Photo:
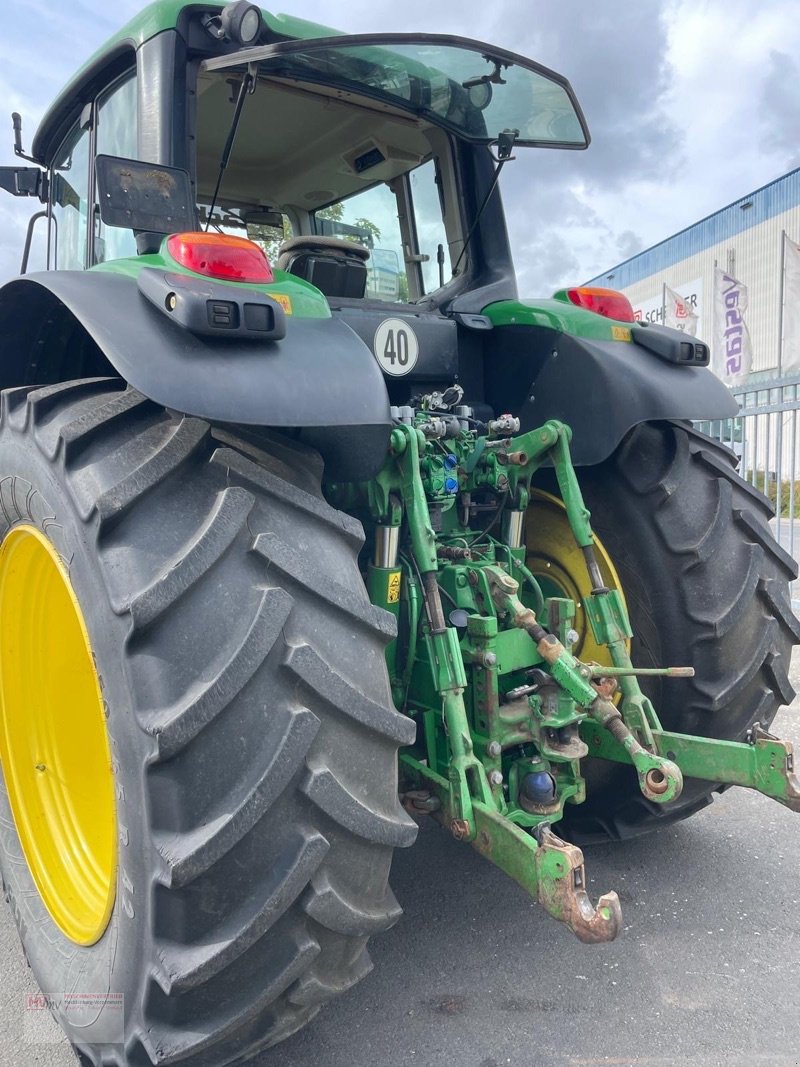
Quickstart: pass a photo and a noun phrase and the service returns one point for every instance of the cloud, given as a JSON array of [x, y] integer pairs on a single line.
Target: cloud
[[549, 260], [559, 203], [780, 103], [628, 244], [620, 71]]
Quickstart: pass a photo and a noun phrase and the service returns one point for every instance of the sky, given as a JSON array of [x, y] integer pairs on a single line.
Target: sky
[[690, 103]]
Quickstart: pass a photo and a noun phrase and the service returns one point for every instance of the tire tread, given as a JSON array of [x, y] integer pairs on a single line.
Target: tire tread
[[277, 822], [709, 583]]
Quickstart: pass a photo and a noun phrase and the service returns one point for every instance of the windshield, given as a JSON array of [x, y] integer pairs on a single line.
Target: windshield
[[472, 89]]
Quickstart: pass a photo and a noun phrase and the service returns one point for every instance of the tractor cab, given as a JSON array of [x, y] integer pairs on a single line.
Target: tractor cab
[[356, 152], [353, 139]]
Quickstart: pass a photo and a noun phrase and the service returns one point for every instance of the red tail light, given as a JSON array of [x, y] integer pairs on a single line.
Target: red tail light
[[233, 259], [606, 302]]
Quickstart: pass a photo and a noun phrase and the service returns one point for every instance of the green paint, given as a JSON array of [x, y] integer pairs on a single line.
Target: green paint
[[558, 316], [766, 765], [577, 512], [447, 676]]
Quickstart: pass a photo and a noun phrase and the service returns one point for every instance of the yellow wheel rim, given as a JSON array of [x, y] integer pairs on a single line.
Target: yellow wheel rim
[[53, 741], [558, 564]]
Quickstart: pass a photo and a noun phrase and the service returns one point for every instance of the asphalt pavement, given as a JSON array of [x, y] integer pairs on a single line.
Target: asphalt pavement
[[706, 972]]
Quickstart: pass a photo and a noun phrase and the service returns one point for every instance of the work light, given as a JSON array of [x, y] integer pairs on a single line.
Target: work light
[[241, 22]]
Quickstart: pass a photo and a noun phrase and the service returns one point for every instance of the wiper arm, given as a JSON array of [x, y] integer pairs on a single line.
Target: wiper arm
[[248, 86], [505, 146]]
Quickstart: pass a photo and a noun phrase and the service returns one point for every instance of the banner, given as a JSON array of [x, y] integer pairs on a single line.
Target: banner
[[679, 313], [790, 349], [731, 349], [690, 293]]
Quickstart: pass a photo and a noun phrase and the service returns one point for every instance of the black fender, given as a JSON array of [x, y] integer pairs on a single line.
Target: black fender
[[320, 379], [601, 389]]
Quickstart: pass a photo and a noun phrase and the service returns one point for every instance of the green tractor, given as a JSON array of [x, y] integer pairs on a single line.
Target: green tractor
[[311, 526]]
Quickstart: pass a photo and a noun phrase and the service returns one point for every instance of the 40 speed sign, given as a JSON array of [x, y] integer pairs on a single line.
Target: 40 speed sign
[[396, 347]]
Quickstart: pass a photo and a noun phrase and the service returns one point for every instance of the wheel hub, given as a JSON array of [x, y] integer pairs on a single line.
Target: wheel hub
[[558, 565], [53, 740]]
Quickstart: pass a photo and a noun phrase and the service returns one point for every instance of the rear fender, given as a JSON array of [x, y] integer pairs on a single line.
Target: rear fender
[[320, 379], [601, 389]]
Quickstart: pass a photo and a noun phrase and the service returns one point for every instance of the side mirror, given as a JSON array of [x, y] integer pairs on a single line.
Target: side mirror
[[24, 181]]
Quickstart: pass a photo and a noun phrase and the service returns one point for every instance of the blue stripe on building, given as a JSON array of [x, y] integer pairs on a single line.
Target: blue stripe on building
[[770, 200]]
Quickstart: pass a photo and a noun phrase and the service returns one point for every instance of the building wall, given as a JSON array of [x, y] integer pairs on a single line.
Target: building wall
[[744, 239]]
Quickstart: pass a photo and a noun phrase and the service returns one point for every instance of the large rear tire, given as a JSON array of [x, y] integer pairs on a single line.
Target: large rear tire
[[706, 586], [252, 736]]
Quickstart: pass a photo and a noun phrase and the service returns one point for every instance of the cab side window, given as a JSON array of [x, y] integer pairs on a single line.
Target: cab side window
[[429, 223], [116, 135], [70, 198], [370, 218]]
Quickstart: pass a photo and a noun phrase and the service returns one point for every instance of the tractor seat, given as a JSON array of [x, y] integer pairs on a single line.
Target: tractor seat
[[335, 267]]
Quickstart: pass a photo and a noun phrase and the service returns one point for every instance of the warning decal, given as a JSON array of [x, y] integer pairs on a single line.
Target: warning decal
[[393, 591]]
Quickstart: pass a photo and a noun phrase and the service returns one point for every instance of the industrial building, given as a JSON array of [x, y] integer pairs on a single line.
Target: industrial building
[[733, 274]]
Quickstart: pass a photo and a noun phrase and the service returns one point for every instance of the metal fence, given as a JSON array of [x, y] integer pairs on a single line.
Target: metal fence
[[765, 435]]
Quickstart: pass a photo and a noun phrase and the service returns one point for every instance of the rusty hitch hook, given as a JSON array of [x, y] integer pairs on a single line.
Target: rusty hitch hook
[[791, 797], [562, 892]]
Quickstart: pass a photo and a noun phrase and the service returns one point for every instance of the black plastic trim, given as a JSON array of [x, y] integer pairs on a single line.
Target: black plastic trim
[[674, 346], [209, 309]]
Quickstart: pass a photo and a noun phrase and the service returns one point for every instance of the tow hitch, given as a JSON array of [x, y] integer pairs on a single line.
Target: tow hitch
[[497, 763]]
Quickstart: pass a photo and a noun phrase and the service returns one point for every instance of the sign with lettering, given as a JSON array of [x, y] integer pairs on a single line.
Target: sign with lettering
[[731, 348]]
